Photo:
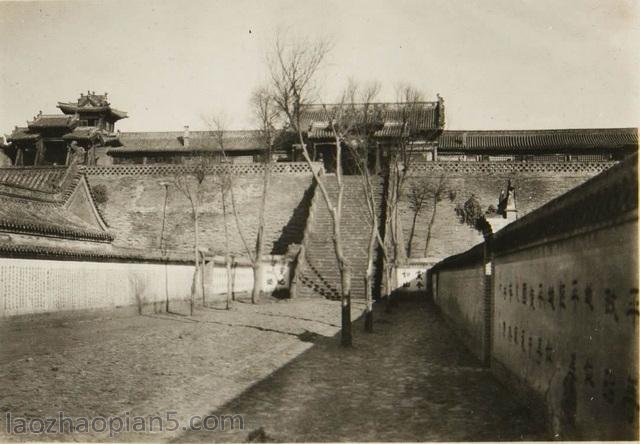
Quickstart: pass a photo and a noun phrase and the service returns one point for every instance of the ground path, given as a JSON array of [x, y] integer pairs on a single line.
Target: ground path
[[278, 364]]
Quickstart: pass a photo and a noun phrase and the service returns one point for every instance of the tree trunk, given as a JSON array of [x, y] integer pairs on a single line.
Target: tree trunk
[[196, 271], [388, 288], [257, 282], [412, 232], [368, 316], [227, 260], [257, 266], [202, 270], [345, 283], [433, 218]]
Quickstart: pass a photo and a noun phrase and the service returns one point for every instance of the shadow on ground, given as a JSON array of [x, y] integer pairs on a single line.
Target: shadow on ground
[[410, 380]]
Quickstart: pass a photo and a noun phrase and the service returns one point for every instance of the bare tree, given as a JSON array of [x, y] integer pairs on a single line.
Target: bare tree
[[409, 101], [190, 185], [265, 113], [419, 193], [417, 197], [217, 123], [357, 131], [293, 66]]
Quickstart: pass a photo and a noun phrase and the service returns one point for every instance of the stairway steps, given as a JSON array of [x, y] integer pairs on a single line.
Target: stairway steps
[[318, 273]]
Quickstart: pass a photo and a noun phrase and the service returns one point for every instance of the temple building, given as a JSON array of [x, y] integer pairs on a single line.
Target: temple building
[[85, 134], [554, 145], [85, 126], [183, 147], [381, 127]]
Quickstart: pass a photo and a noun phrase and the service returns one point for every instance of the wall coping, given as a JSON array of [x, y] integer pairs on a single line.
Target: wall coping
[[286, 168], [466, 168]]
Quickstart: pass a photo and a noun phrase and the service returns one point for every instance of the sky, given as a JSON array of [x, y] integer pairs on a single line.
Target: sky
[[499, 64]]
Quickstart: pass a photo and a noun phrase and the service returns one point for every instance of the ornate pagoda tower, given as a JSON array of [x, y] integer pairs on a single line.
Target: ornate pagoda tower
[[85, 126]]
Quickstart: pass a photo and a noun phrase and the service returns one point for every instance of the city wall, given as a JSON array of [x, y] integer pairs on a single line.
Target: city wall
[[562, 306]]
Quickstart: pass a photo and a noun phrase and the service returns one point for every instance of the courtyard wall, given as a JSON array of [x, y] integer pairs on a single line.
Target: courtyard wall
[[36, 286], [562, 311]]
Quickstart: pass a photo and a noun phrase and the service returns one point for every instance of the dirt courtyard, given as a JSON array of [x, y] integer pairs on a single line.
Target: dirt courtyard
[[278, 364]]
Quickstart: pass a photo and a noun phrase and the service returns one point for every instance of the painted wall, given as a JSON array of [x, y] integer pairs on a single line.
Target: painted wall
[[412, 277], [566, 324], [562, 311], [276, 272], [31, 286], [461, 298]]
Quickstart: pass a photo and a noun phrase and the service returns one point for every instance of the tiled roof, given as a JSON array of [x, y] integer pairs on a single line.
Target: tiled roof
[[44, 179], [21, 215], [507, 140], [392, 129], [83, 133], [23, 133], [53, 121], [91, 103], [172, 141], [418, 117], [19, 245], [36, 201]]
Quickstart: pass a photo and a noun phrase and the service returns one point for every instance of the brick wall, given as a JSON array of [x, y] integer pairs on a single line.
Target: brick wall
[[134, 212], [535, 184]]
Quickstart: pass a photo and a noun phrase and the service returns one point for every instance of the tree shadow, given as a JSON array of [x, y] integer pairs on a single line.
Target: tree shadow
[[293, 231]]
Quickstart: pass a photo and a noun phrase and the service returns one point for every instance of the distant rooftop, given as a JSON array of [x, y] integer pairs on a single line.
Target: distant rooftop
[[391, 117], [174, 141], [547, 139]]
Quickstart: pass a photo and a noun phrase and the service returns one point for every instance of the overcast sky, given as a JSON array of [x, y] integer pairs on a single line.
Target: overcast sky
[[503, 64]]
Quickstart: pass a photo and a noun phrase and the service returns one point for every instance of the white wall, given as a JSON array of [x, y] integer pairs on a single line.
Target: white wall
[[30, 286]]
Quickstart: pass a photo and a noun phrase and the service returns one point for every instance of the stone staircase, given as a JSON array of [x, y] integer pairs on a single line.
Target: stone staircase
[[317, 273]]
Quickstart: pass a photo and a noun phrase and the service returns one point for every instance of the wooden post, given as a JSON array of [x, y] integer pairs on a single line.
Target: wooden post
[[39, 152], [19, 157]]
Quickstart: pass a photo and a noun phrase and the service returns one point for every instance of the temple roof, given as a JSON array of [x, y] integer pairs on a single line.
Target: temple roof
[[549, 139], [42, 121], [92, 102], [173, 141], [49, 202], [23, 133], [415, 117], [83, 133], [21, 215], [33, 180]]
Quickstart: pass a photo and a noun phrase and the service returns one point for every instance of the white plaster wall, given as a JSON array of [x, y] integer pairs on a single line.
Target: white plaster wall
[[30, 286], [276, 272], [411, 278]]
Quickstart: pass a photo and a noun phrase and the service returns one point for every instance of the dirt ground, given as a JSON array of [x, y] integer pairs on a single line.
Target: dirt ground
[[278, 364]]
